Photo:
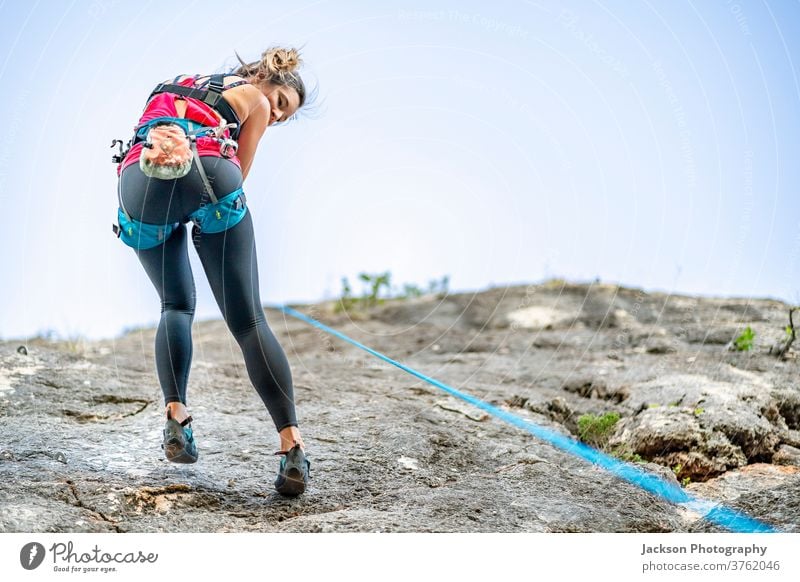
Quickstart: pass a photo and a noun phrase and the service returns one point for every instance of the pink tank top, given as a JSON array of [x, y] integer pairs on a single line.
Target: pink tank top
[[163, 105]]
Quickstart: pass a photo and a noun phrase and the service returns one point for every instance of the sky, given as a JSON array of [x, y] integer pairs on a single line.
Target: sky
[[650, 144]]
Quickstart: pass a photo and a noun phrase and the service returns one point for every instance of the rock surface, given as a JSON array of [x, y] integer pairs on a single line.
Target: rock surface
[[80, 422]]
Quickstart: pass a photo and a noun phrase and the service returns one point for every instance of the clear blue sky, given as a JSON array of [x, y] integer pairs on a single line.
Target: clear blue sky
[[653, 144]]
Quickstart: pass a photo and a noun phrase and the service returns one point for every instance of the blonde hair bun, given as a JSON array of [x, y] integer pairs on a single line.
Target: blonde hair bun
[[277, 65], [280, 61]]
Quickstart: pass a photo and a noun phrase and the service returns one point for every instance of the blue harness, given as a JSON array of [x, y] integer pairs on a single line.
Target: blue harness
[[187, 125], [223, 214], [220, 215]]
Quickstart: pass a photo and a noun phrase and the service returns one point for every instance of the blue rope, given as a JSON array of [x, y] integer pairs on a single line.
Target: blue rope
[[723, 516]]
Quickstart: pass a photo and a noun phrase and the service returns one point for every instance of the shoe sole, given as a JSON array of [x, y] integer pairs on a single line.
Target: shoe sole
[[175, 446], [175, 453], [294, 484]]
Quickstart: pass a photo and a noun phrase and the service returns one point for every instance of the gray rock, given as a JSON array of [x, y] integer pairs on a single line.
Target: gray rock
[[711, 336], [715, 424], [660, 346], [99, 466], [656, 433], [675, 437], [766, 492], [787, 455]]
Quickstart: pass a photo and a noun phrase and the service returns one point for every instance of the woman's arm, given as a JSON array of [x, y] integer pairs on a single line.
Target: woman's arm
[[255, 109]]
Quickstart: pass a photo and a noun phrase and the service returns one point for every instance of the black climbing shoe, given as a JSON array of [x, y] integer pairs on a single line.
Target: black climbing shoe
[[294, 473], [178, 444]]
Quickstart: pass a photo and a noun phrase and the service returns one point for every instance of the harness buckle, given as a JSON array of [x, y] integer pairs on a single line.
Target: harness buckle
[[228, 148], [120, 155]]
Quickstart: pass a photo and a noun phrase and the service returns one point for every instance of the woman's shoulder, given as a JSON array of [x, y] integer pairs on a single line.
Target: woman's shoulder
[[237, 91], [243, 96]]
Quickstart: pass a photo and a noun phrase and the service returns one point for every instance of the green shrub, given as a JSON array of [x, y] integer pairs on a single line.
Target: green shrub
[[346, 301], [410, 290], [595, 430], [624, 453], [377, 287], [439, 287], [745, 341], [374, 283]]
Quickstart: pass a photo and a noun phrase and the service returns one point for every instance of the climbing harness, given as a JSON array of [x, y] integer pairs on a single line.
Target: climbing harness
[[211, 97], [222, 214], [172, 141], [168, 143], [169, 149], [716, 513], [169, 146]]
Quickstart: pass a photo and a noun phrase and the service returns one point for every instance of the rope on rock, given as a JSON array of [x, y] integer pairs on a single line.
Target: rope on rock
[[716, 513]]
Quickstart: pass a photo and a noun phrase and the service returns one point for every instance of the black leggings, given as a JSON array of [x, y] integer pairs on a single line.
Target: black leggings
[[229, 261]]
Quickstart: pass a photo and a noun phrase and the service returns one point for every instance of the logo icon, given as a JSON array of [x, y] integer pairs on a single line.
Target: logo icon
[[31, 555]]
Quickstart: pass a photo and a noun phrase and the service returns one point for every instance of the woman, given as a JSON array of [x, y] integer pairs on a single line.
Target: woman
[[152, 214]]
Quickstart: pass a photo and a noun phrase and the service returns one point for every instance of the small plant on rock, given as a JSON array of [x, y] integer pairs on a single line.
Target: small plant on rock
[[346, 301], [377, 288], [375, 282], [370, 295], [439, 287], [410, 290], [595, 430], [744, 342], [782, 347], [624, 453]]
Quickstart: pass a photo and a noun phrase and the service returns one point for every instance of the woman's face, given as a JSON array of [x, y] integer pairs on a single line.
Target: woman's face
[[283, 101]]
